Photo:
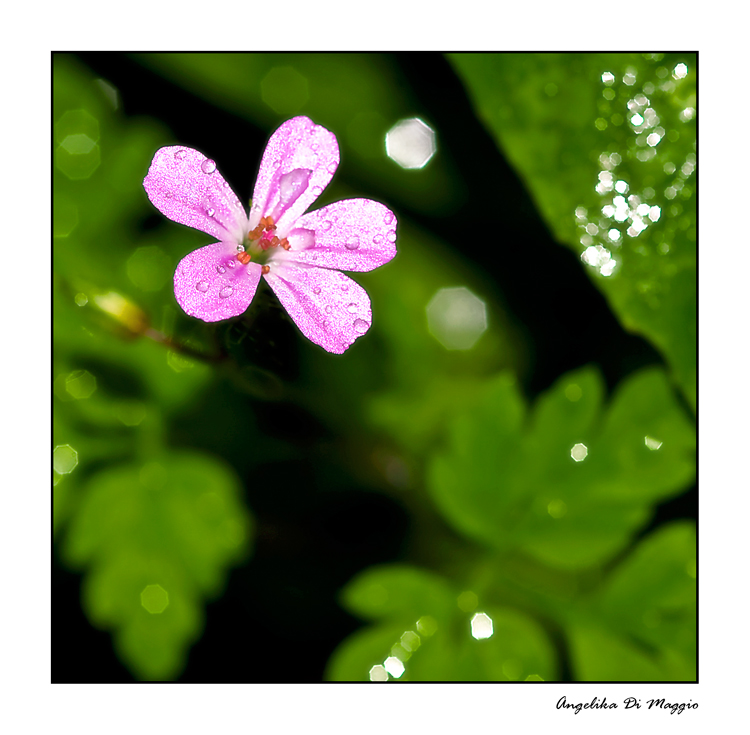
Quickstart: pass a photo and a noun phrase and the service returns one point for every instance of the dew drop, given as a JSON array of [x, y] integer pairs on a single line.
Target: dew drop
[[325, 324], [202, 286], [210, 211], [227, 291], [352, 243], [377, 239], [231, 264], [389, 217], [351, 308], [329, 308], [326, 225], [220, 269], [361, 326], [344, 287], [317, 191], [332, 167], [208, 166], [316, 290], [391, 236], [179, 155]]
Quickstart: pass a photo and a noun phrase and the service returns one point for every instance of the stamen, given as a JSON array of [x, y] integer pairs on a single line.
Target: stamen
[[284, 243], [265, 269], [244, 257]]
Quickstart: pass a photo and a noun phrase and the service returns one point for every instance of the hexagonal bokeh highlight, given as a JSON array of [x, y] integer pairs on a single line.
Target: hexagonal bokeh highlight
[[579, 452], [284, 90], [481, 626], [378, 673], [154, 598], [77, 166], [77, 122], [394, 667], [80, 384], [411, 143], [77, 136], [456, 318], [64, 459]]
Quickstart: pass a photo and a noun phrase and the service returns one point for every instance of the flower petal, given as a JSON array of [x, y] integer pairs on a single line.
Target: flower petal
[[350, 235], [185, 186], [299, 161], [329, 308], [211, 284]]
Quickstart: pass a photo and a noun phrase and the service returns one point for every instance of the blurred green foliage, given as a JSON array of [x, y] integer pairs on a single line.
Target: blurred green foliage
[[512, 482], [504, 520]]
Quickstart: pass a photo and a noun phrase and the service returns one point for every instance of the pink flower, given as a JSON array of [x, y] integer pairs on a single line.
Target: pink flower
[[300, 255]]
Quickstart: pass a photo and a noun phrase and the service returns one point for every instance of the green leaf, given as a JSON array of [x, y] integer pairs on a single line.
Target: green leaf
[[423, 625], [569, 130], [641, 625], [513, 483], [160, 533], [399, 591]]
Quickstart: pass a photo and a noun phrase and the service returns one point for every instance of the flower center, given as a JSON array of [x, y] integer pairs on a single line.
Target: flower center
[[260, 241]]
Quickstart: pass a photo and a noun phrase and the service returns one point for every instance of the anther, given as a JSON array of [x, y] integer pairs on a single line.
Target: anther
[[284, 243], [244, 257], [265, 269]]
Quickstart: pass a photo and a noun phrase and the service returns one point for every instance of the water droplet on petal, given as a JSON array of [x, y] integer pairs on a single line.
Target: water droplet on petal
[[317, 191], [328, 309], [202, 286], [344, 287], [352, 243], [227, 291], [220, 269], [316, 290], [327, 224], [391, 236], [210, 211], [208, 166], [361, 326], [325, 324], [179, 155], [332, 167], [377, 239], [351, 308], [231, 264], [389, 218]]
